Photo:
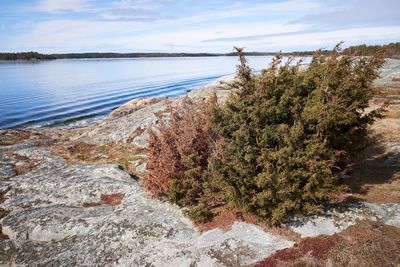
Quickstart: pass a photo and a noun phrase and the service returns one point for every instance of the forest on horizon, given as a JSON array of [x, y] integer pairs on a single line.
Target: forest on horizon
[[392, 50]]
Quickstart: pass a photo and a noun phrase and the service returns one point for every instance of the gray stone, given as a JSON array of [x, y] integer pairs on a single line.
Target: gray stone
[[6, 171], [59, 215], [130, 123], [340, 216], [58, 218]]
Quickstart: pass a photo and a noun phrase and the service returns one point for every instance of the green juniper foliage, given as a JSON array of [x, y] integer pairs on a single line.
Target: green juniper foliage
[[289, 130], [275, 148], [200, 213]]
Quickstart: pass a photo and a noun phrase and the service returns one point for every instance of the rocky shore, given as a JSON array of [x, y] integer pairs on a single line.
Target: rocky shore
[[73, 196]]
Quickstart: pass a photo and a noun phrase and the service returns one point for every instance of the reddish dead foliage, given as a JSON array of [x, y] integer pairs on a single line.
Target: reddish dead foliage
[[222, 220], [318, 247], [185, 135], [106, 199], [112, 199], [366, 244]]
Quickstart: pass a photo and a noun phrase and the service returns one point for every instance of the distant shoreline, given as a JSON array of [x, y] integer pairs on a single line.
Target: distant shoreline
[[391, 50], [34, 56]]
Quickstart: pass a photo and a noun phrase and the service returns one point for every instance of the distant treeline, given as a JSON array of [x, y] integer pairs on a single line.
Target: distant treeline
[[392, 50], [25, 56], [38, 56], [296, 53], [129, 55]]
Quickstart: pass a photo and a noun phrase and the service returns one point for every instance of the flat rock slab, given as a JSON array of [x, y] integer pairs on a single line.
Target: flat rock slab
[[338, 217], [129, 124], [63, 215], [6, 171], [98, 215]]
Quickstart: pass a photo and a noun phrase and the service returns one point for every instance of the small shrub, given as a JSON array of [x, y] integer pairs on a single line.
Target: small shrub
[[275, 147], [286, 133], [179, 151]]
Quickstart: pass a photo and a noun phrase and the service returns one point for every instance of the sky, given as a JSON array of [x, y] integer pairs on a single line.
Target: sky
[[61, 26]]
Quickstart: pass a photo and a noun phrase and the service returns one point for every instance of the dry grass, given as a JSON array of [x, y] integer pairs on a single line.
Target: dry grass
[[380, 91], [12, 137], [78, 152], [22, 164], [370, 178], [366, 244], [25, 164], [163, 113]]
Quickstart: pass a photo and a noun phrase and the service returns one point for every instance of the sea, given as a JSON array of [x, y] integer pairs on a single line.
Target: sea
[[77, 91]]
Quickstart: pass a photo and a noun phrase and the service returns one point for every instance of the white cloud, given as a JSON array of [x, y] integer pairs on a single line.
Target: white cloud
[[142, 25], [61, 6], [326, 39], [354, 13], [248, 10], [142, 4], [129, 36]]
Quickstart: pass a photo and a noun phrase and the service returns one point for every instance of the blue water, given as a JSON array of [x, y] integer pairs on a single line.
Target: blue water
[[52, 92]]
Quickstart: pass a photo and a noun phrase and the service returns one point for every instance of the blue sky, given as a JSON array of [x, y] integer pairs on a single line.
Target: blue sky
[[57, 26]]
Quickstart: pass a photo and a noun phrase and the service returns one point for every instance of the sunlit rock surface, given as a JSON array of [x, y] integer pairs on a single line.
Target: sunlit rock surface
[[338, 217], [56, 214], [60, 216], [130, 123]]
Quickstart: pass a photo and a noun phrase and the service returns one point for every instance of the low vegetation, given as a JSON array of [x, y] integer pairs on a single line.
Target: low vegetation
[[78, 152], [366, 244], [275, 148], [11, 137], [25, 56], [39, 56], [371, 176], [178, 154]]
